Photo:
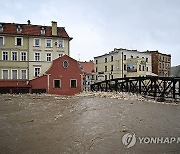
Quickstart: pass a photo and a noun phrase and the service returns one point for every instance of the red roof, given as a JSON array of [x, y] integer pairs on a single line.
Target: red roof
[[88, 67], [32, 30]]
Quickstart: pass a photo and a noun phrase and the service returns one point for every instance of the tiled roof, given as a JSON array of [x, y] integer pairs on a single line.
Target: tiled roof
[[88, 67], [32, 30]]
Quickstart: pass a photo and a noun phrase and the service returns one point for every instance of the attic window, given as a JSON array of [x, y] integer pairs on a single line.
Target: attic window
[[43, 31], [65, 64], [19, 29], [1, 28]]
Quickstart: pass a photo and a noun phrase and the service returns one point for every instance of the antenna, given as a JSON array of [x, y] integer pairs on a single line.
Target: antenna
[[79, 57]]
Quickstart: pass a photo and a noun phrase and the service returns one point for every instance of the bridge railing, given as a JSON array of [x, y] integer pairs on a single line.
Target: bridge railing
[[164, 87]]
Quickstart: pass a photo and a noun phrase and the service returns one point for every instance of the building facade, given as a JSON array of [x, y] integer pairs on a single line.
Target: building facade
[[88, 79], [64, 77], [161, 63], [26, 50], [122, 63]]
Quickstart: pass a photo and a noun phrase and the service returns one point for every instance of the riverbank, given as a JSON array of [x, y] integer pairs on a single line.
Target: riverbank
[[85, 123]]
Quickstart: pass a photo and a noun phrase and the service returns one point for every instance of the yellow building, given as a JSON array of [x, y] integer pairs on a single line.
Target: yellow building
[[13, 54], [27, 50], [120, 63]]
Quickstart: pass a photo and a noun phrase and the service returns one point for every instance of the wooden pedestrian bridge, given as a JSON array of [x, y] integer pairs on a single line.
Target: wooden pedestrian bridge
[[162, 87]]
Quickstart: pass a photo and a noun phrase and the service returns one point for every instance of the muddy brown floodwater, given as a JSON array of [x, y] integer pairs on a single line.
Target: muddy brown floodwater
[[92, 125]]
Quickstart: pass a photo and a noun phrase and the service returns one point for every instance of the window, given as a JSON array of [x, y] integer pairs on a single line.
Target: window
[[143, 68], [111, 58], [14, 56], [105, 68], [124, 57], [60, 43], [65, 64], [37, 56], [73, 83], [131, 56], [5, 74], [36, 42], [18, 41], [96, 61], [19, 29], [14, 74], [4, 55], [125, 67], [23, 56], [139, 67], [105, 60], [137, 56], [111, 67], [1, 40], [23, 74], [48, 56], [105, 77], [146, 59], [96, 69], [60, 54], [147, 69], [57, 83], [1, 28], [48, 43], [142, 57], [43, 31], [37, 71]]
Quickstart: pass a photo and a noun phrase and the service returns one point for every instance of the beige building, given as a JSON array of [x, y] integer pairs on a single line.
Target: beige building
[[27, 50], [122, 63]]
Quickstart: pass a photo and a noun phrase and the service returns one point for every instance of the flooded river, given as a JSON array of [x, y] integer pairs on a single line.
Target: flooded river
[[86, 124]]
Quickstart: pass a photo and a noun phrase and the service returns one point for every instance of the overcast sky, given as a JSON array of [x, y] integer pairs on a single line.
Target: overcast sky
[[99, 26]]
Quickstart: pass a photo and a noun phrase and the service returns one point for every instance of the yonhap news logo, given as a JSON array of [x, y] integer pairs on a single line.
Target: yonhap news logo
[[130, 139]]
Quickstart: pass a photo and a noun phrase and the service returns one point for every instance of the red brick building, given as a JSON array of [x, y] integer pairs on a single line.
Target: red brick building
[[64, 77], [161, 63]]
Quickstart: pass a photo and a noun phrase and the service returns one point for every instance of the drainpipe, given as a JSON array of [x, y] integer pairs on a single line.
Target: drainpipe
[[122, 64], [28, 59]]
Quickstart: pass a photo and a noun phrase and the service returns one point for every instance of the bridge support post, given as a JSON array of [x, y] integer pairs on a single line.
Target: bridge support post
[[106, 88], [116, 82], [174, 89], [140, 86]]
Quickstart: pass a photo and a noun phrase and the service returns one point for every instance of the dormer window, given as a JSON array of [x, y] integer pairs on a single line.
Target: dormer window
[[1, 28], [19, 29], [43, 32], [60, 43]]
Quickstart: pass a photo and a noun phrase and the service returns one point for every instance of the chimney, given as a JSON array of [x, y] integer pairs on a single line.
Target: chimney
[[29, 22], [54, 28]]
